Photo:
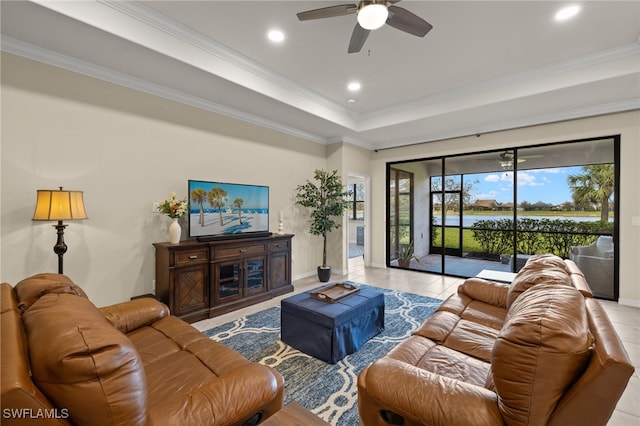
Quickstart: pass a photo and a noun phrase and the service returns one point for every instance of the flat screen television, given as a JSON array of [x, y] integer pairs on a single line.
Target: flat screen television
[[219, 210]]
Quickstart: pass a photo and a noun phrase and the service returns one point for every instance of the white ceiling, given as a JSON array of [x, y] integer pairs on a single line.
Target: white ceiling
[[485, 66]]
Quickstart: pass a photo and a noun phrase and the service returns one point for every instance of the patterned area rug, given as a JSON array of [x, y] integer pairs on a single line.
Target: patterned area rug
[[330, 391]]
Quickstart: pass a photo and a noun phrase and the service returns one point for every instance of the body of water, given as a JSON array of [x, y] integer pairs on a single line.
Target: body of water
[[469, 220]]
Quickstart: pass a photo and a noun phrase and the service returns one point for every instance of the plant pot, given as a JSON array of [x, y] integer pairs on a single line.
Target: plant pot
[[404, 263], [324, 273]]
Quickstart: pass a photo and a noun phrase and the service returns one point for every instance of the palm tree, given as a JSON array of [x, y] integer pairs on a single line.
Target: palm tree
[[238, 203], [595, 185], [217, 198], [198, 195]]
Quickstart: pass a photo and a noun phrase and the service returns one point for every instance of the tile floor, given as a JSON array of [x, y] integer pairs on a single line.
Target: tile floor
[[625, 319]]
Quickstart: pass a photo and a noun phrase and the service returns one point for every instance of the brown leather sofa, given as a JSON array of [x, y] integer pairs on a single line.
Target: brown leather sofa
[[540, 351], [64, 361]]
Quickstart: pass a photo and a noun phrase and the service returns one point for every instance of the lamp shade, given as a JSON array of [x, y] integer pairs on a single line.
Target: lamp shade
[[373, 16], [59, 205]]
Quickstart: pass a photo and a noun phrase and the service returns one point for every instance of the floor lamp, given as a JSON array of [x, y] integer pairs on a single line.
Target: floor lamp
[[59, 205]]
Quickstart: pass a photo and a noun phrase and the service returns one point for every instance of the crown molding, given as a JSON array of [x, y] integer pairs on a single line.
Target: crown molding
[[570, 72], [39, 54], [350, 140], [143, 26], [149, 29], [180, 31], [69, 63], [556, 117]]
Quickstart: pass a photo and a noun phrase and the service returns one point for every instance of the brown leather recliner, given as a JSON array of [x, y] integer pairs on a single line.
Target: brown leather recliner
[[64, 361], [540, 351]]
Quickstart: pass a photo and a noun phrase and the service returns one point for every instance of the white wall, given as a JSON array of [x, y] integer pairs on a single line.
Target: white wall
[[625, 124], [355, 167], [125, 150]]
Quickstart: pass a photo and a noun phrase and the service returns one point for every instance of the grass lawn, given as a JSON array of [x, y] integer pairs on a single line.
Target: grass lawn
[[451, 238]]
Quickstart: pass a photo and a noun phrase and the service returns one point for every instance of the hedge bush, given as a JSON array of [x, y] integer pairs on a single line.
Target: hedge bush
[[537, 235]]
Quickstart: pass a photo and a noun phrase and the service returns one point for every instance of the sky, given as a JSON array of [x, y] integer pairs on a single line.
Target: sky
[[546, 185]]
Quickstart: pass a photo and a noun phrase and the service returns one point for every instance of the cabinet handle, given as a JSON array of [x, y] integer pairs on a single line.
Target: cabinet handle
[[193, 256], [243, 250]]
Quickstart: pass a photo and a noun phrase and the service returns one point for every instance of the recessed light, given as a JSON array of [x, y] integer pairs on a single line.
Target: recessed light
[[567, 12], [354, 86], [276, 36]]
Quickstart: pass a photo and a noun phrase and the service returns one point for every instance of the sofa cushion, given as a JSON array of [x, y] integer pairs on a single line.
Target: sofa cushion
[[489, 292], [136, 313], [468, 337], [542, 348], [450, 363], [31, 289], [81, 362], [544, 268], [18, 391]]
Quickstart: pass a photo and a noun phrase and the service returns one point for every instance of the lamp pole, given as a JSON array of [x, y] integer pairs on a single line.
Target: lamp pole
[[60, 248]]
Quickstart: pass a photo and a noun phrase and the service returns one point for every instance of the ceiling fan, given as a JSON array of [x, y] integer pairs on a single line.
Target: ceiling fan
[[371, 15], [507, 157]]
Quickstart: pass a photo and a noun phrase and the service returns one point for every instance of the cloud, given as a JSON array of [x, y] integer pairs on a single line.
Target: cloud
[[527, 179], [503, 177]]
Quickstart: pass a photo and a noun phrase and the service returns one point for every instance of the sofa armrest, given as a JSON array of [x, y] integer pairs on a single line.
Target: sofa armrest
[[489, 292], [427, 398], [128, 316], [229, 399]]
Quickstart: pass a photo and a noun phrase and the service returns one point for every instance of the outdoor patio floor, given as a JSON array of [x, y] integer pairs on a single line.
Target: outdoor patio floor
[[457, 266]]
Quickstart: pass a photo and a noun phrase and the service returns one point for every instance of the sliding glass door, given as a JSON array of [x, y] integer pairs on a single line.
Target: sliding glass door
[[493, 210], [400, 228]]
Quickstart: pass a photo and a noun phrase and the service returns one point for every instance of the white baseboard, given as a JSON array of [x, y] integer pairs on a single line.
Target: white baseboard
[[629, 302], [304, 275]]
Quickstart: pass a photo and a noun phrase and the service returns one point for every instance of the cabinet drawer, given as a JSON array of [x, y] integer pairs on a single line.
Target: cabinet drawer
[[190, 257], [280, 245], [239, 250]]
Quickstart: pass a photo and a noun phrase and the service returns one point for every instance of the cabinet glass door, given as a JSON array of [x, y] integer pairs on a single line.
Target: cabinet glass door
[[255, 275], [229, 280]]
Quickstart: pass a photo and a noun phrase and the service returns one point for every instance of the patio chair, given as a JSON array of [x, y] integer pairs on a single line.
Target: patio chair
[[596, 263]]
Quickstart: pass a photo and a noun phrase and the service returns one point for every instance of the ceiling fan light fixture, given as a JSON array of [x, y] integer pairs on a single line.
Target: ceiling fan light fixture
[[506, 160], [567, 13], [276, 36], [506, 164], [354, 86], [373, 16]]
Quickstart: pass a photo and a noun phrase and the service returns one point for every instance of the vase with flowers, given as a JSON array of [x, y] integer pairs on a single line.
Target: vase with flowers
[[175, 209]]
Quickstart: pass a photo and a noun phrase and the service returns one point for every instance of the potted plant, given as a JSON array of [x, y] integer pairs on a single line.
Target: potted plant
[[327, 201], [406, 255]]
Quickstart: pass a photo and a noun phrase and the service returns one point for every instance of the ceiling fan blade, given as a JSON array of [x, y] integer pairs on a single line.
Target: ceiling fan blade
[[358, 38], [328, 12], [408, 22]]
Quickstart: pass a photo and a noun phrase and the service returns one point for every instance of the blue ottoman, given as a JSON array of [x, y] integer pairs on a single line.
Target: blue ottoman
[[331, 331]]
